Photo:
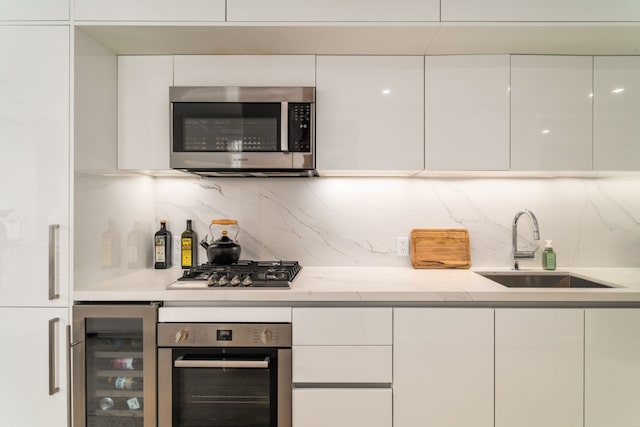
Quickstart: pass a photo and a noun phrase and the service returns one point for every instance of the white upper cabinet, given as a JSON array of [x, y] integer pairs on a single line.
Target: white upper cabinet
[[34, 10], [245, 70], [616, 105], [333, 10], [143, 111], [150, 10], [370, 114], [551, 112], [540, 10], [467, 112], [612, 367], [539, 360], [34, 167]]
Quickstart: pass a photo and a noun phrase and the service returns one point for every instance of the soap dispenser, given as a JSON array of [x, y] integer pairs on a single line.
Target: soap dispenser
[[548, 257]]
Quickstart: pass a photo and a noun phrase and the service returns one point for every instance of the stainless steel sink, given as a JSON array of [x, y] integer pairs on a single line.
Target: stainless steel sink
[[540, 280]]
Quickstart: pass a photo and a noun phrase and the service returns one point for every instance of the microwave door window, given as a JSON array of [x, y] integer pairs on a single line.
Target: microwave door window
[[227, 127]]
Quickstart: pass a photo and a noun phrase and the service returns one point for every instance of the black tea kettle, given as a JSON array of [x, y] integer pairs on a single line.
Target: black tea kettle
[[225, 250]]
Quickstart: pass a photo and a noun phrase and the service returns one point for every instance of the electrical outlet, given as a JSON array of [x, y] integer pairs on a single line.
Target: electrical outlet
[[402, 246]]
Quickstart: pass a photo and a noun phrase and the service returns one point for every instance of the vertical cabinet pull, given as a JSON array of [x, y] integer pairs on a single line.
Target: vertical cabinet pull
[[53, 261], [284, 127], [53, 387]]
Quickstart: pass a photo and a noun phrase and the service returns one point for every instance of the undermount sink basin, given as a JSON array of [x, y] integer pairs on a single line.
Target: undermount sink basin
[[541, 280]]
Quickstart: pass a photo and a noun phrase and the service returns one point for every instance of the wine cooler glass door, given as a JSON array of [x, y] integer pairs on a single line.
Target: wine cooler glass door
[[117, 372]]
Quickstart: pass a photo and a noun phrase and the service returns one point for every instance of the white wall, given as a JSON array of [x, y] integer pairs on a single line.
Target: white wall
[[355, 221]]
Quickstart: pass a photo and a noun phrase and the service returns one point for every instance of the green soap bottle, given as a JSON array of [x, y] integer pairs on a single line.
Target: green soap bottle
[[548, 257]]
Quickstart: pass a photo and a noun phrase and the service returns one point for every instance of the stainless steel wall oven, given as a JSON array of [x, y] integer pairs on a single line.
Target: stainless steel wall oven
[[224, 375]]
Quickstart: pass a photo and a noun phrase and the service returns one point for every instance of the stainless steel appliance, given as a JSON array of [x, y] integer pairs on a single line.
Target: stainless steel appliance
[[243, 131], [114, 365], [227, 375], [241, 275]]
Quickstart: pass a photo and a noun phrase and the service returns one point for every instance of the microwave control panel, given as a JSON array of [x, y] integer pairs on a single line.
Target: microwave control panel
[[300, 127]]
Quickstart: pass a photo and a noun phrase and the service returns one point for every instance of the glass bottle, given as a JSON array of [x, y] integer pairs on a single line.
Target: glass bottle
[[189, 255], [548, 257], [162, 241]]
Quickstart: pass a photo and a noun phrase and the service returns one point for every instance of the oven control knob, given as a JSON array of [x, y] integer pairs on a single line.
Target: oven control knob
[[182, 335], [266, 336]]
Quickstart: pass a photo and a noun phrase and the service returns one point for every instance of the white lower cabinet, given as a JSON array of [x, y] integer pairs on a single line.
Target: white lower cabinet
[[539, 361], [34, 367], [612, 367], [342, 407], [443, 367]]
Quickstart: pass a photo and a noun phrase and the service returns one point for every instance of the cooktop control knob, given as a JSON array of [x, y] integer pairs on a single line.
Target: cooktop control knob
[[266, 336], [182, 335]]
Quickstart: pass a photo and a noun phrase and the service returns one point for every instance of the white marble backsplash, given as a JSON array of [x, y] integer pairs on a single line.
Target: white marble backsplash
[[593, 222]]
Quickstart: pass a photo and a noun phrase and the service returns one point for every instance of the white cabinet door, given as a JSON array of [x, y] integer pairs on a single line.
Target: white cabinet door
[[539, 360], [333, 10], [540, 10], [143, 111], [342, 326], [150, 10], [342, 407], [467, 112], [443, 367], [370, 114], [551, 112], [33, 361], [34, 10], [616, 103], [612, 367], [34, 167], [245, 70], [342, 364]]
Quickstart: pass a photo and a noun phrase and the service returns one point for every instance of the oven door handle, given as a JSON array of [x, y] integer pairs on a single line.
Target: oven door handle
[[260, 364]]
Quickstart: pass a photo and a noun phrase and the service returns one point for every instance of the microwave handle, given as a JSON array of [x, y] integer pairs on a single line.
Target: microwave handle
[[284, 127]]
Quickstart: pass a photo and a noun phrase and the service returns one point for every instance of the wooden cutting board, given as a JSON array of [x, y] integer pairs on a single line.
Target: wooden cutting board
[[440, 248]]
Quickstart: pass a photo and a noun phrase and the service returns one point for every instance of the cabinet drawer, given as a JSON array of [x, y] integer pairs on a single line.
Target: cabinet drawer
[[342, 364], [342, 407], [342, 326]]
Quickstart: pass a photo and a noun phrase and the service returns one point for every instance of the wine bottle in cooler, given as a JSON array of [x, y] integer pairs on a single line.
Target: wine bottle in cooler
[[162, 242], [189, 247]]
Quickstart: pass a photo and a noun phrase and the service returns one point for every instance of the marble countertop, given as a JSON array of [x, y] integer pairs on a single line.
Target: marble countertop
[[371, 285]]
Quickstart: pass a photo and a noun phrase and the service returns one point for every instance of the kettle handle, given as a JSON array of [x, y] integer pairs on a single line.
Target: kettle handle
[[224, 221]]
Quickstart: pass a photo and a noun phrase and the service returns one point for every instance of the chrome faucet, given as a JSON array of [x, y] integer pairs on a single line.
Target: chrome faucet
[[514, 238]]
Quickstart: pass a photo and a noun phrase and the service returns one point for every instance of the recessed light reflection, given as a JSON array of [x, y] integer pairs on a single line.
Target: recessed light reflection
[[386, 91], [591, 95], [546, 131], [618, 90]]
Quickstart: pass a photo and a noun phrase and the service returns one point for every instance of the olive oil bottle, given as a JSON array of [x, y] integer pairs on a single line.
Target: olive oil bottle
[[188, 246], [162, 242]]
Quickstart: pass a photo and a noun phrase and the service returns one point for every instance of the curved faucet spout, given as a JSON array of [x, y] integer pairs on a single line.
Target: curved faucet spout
[[514, 237]]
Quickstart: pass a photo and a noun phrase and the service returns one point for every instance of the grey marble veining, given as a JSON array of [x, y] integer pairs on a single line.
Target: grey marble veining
[[355, 221]]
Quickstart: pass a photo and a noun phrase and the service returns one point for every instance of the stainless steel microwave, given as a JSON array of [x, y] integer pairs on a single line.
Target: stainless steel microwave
[[243, 131]]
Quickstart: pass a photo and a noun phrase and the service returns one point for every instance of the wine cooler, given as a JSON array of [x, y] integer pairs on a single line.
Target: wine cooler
[[114, 365]]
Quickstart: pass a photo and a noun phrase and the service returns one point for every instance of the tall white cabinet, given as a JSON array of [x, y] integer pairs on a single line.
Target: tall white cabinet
[[34, 222], [551, 112]]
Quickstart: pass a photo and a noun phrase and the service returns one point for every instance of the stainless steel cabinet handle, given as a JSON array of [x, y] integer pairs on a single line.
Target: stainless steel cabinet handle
[[179, 363], [53, 261], [284, 127], [53, 388]]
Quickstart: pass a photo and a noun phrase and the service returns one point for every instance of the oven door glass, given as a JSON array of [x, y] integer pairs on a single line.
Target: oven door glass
[[226, 127], [224, 387]]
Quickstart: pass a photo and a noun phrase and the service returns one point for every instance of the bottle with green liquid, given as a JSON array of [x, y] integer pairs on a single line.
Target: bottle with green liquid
[[549, 257]]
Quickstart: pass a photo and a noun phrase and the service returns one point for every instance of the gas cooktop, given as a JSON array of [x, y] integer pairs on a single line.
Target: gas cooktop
[[241, 275]]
